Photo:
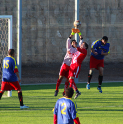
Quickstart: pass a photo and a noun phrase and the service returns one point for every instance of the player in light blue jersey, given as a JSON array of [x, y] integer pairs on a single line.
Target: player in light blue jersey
[[10, 77], [99, 49], [65, 111]]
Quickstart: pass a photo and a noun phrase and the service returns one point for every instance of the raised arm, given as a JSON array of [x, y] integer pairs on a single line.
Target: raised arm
[[68, 42]]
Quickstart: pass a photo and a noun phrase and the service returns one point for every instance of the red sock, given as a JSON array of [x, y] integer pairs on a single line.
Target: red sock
[[72, 84], [66, 85], [58, 84]]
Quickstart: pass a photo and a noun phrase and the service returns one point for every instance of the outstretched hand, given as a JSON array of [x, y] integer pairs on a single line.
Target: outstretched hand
[[75, 30]]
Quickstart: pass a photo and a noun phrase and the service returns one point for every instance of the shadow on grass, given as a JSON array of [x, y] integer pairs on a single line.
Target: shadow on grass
[[79, 85], [102, 109]]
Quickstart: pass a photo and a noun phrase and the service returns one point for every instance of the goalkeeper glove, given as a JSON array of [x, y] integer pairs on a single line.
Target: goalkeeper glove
[[72, 33], [80, 33]]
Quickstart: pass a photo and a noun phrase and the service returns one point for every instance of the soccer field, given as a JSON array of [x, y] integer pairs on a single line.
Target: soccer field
[[93, 107]]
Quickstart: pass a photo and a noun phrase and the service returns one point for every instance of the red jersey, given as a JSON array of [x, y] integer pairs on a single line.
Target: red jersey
[[79, 56]]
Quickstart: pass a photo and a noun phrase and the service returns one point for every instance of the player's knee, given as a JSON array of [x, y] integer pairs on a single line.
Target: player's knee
[[19, 91], [60, 77], [71, 78], [90, 72]]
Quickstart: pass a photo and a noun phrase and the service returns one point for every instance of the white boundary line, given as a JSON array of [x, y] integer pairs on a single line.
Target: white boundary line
[[77, 83]]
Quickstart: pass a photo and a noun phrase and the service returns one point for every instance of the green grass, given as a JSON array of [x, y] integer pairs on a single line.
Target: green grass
[[93, 107]]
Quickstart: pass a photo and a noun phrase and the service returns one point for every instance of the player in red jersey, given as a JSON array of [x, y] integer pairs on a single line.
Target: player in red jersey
[[64, 70], [76, 65], [9, 77]]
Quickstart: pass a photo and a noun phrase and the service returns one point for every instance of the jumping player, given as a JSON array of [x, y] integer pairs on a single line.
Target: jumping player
[[99, 49], [9, 77], [64, 70], [75, 66], [65, 111]]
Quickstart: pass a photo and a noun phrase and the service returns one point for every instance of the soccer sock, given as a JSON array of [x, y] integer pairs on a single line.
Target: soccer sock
[[20, 98], [100, 79], [58, 84], [72, 84], [89, 78], [66, 85], [1, 93]]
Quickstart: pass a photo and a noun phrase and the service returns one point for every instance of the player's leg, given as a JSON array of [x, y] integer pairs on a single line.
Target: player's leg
[[63, 73], [65, 86], [73, 85], [58, 84], [100, 79], [20, 96], [16, 86], [73, 73], [93, 66], [4, 87], [1, 93], [89, 77], [59, 79]]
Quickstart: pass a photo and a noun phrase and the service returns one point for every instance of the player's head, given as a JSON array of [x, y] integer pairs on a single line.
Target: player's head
[[73, 42], [69, 92], [11, 52], [104, 39], [84, 45]]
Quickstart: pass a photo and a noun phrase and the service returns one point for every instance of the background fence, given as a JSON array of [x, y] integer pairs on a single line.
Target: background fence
[[46, 26]]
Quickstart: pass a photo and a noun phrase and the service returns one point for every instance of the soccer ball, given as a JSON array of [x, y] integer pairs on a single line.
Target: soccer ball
[[77, 23]]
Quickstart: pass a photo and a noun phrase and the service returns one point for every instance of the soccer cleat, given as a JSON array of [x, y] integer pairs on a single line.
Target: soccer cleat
[[63, 93], [24, 107], [77, 94], [99, 88], [88, 86], [56, 93]]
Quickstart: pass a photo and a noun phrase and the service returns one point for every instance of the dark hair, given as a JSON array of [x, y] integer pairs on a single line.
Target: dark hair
[[105, 38], [69, 92], [73, 41], [11, 52], [86, 45]]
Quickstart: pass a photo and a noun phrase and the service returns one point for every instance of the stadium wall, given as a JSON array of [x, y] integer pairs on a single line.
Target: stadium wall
[[47, 24]]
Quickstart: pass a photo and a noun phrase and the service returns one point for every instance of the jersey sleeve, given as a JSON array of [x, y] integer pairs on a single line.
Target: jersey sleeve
[[108, 51], [55, 119], [84, 51], [95, 44], [56, 108], [74, 113], [68, 44], [15, 66], [80, 42], [76, 120]]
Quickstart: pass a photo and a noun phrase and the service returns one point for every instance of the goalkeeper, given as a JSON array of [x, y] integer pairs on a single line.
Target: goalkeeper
[[64, 70]]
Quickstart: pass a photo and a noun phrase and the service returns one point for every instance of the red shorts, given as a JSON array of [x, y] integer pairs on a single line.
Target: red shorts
[[64, 70], [95, 63], [10, 86], [74, 70]]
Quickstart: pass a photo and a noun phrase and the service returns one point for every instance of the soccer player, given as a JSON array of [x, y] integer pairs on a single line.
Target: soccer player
[[64, 70], [99, 49], [9, 77], [75, 66], [65, 111]]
